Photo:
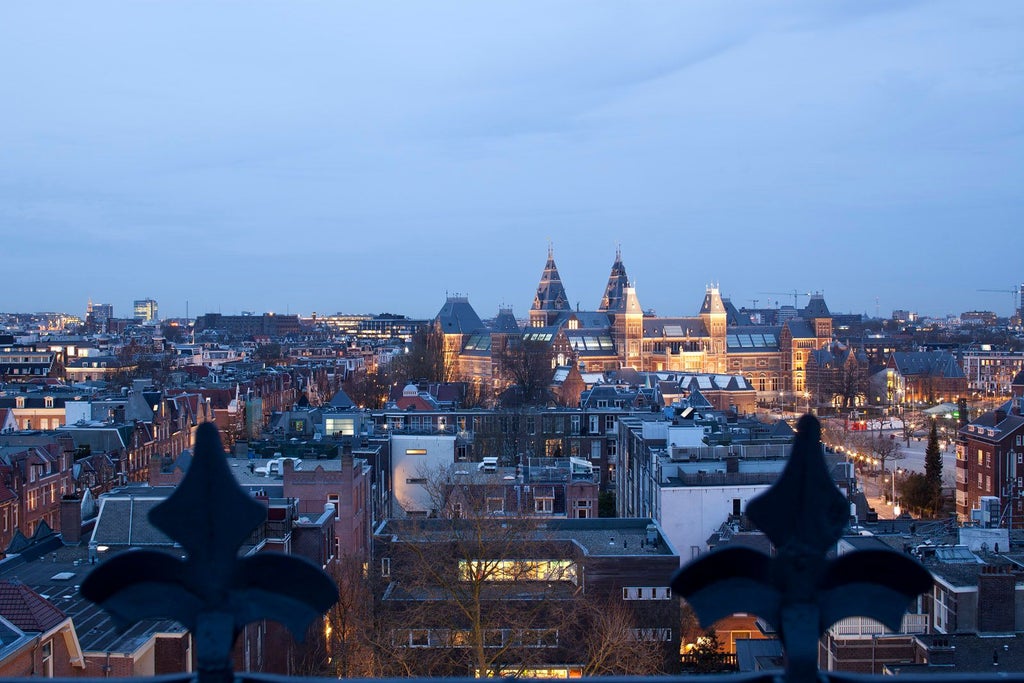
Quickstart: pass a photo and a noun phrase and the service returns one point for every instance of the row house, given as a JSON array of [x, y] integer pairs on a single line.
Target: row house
[[990, 460], [20, 363], [37, 409], [33, 479], [128, 442]]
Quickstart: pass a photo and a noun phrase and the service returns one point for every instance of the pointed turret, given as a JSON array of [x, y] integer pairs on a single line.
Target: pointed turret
[[614, 300], [550, 298], [712, 302]]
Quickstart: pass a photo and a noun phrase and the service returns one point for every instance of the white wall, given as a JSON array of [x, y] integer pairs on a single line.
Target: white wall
[[440, 455], [690, 514]]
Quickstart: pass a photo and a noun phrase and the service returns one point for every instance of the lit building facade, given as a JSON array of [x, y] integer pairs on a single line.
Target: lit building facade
[[619, 334]]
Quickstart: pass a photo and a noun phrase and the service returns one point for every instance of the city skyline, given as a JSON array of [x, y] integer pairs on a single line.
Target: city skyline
[[317, 157]]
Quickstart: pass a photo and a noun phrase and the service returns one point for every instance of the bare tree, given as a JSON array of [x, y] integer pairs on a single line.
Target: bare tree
[[883, 448], [847, 381], [341, 646], [912, 422], [368, 389], [612, 645], [526, 364], [483, 590], [426, 358]]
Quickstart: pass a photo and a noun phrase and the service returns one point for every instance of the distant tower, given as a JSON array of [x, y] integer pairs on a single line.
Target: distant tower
[[550, 300], [713, 313], [145, 310], [613, 300], [623, 308]]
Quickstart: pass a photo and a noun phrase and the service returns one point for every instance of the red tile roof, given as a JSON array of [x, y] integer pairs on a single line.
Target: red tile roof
[[27, 609]]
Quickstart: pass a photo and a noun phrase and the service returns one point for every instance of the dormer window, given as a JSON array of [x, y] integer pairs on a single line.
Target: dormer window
[[48, 401]]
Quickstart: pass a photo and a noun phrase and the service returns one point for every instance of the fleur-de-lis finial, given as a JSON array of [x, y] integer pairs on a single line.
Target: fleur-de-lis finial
[[212, 592], [800, 591]]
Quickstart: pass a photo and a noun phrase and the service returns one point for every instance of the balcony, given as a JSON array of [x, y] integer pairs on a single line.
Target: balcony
[[861, 627]]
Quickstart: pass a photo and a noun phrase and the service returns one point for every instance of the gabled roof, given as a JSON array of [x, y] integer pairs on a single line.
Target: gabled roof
[[458, 317], [698, 401], [931, 363], [26, 609], [341, 401]]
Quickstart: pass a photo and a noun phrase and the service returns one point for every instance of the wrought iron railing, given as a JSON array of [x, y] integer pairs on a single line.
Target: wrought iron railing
[[799, 590]]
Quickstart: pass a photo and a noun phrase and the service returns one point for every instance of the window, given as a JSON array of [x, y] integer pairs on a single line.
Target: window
[[609, 423], [595, 450], [517, 570], [334, 500], [574, 425], [651, 634], [495, 505], [981, 457], [544, 505], [583, 508], [1020, 439], [595, 424], [416, 480], [647, 593], [48, 659], [531, 425]]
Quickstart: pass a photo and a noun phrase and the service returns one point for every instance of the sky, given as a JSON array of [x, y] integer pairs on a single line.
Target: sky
[[301, 156]]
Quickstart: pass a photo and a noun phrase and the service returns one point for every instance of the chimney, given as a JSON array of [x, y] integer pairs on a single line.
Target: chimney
[[995, 600], [1000, 415], [71, 519]]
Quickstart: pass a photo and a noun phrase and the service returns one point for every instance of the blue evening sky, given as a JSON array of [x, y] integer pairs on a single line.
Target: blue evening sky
[[371, 156]]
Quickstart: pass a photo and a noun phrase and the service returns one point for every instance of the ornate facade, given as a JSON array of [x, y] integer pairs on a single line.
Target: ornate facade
[[619, 334]]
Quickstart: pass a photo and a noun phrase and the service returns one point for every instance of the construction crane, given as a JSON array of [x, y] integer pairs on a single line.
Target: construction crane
[[1014, 294], [793, 294]]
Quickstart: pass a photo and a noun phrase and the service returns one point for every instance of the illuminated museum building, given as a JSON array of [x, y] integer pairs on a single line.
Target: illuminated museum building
[[620, 334]]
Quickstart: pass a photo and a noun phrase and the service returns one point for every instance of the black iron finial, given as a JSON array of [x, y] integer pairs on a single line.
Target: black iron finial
[[212, 592], [800, 591]]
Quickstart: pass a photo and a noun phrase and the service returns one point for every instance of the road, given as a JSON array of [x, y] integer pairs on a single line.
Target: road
[[910, 458]]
